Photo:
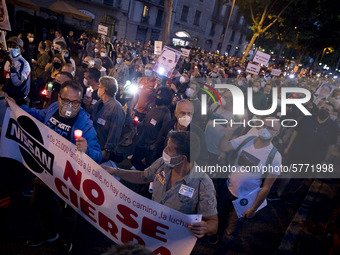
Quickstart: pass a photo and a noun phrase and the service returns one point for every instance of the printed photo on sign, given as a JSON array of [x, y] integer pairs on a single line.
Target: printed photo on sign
[[167, 61], [323, 92]]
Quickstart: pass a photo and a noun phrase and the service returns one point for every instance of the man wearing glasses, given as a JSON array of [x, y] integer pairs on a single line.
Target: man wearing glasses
[[63, 117]]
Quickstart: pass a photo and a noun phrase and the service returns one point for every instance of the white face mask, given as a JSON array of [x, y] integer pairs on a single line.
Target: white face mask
[[30, 40], [103, 54], [264, 134], [96, 50], [334, 117], [255, 89], [189, 92], [167, 159], [118, 60], [182, 79], [184, 121], [86, 82], [214, 75], [240, 83]]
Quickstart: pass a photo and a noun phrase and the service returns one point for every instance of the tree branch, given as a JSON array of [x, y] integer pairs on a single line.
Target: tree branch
[[251, 12], [278, 16]]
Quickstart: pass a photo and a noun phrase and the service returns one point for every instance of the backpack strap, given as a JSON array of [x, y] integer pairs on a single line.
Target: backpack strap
[[247, 140], [271, 156]]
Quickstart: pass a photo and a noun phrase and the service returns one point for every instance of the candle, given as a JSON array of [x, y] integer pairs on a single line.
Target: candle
[[78, 134], [50, 86], [89, 91], [135, 121]]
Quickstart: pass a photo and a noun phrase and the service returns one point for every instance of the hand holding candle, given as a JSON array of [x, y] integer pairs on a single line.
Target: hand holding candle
[[89, 91], [78, 134], [81, 142], [135, 121]]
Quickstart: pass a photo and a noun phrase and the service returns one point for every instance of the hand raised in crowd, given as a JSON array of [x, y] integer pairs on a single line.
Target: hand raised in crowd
[[199, 228], [81, 144]]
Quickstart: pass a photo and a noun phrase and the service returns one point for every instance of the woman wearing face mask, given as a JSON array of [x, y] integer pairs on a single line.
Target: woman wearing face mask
[[56, 65], [173, 172]]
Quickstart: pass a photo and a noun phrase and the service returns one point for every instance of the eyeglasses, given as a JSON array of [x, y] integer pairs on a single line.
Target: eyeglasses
[[75, 103]]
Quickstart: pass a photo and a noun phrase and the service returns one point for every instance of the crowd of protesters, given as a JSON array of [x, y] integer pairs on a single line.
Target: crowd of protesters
[[101, 86]]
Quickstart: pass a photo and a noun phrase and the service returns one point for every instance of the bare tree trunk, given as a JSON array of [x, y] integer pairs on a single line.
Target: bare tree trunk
[[168, 5], [255, 35]]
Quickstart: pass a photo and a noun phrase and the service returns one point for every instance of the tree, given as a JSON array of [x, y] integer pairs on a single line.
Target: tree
[[265, 11], [168, 5]]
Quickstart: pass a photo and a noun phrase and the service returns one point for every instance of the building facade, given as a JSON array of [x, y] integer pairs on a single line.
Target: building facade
[[197, 23]]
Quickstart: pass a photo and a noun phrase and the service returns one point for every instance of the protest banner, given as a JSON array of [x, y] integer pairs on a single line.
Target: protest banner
[[276, 72], [261, 58], [167, 61], [253, 69], [158, 47], [108, 205]]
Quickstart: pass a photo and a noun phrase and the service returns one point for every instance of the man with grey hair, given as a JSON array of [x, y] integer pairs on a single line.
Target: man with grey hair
[[108, 116]]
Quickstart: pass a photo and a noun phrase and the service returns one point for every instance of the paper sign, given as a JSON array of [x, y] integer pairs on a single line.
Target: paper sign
[[116, 211], [4, 19], [261, 58], [323, 92], [185, 52], [243, 204], [158, 47], [276, 72], [253, 69], [167, 61], [102, 29]]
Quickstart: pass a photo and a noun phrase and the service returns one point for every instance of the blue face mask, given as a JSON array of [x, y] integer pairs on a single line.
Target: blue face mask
[[15, 52], [148, 73], [66, 56]]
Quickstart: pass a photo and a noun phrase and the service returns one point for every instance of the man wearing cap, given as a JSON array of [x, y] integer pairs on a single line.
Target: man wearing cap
[[17, 72]]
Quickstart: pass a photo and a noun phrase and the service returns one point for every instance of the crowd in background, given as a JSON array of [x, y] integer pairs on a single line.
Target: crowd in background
[[159, 104]]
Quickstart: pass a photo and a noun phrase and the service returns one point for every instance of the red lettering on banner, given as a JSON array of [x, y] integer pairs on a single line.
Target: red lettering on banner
[[107, 224], [162, 251], [88, 186], [71, 174], [73, 198], [127, 236], [85, 208], [149, 228], [59, 185], [127, 219]]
